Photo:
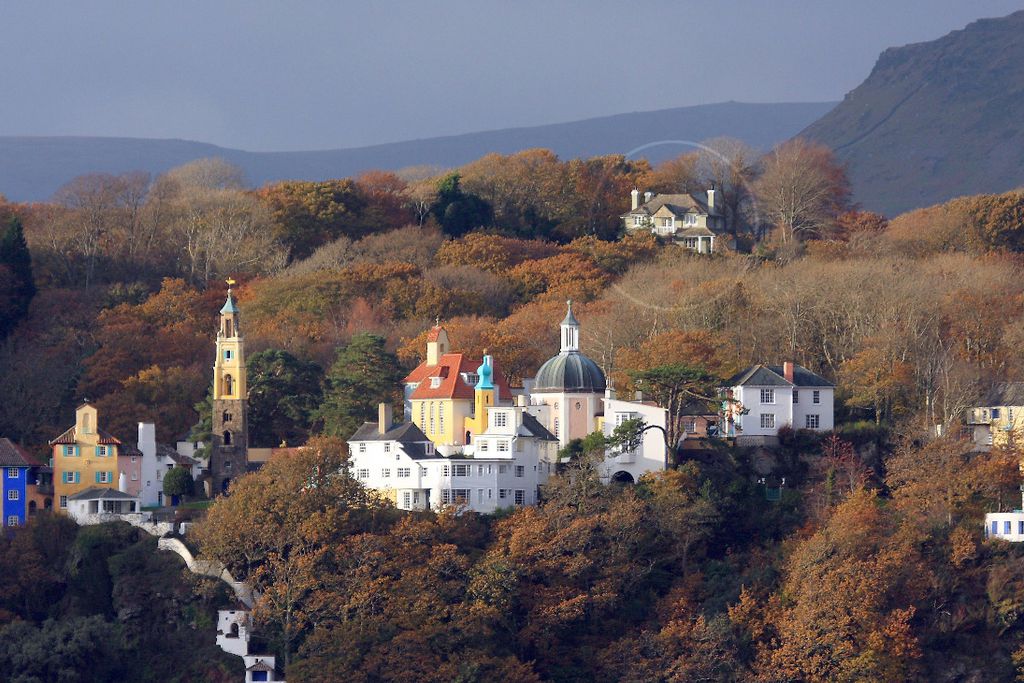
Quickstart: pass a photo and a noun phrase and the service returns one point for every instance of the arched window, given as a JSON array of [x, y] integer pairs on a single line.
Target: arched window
[[228, 385], [225, 417], [227, 438], [228, 328]]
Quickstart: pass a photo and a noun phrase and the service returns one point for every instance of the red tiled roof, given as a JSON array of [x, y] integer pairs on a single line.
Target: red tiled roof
[[68, 437], [449, 369], [434, 333]]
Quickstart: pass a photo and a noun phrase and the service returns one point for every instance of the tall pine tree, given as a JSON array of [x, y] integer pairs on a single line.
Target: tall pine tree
[[363, 375], [16, 285]]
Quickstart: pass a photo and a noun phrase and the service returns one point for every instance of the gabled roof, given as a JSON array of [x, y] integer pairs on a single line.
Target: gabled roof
[[678, 204], [13, 455], [697, 231], [774, 376], [100, 493], [536, 429], [406, 432], [105, 438], [449, 368], [170, 453]]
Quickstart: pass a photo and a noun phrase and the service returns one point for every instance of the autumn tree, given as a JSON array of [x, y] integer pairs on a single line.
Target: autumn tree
[[307, 215], [364, 375], [276, 528], [802, 189]]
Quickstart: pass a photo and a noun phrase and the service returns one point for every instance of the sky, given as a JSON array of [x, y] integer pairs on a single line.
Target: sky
[[262, 75]]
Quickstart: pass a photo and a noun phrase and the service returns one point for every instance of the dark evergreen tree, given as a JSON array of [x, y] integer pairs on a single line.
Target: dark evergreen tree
[[284, 393], [364, 375], [459, 212], [16, 285]]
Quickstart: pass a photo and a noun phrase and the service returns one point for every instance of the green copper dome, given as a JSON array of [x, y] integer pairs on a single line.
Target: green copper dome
[[570, 372]]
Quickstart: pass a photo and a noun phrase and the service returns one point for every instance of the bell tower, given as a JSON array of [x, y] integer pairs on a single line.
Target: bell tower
[[229, 452]]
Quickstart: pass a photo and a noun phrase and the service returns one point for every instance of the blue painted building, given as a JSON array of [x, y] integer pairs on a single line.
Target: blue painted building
[[14, 469]]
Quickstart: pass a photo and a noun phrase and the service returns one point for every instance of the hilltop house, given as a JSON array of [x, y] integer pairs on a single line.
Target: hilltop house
[[999, 420], [763, 398], [693, 220]]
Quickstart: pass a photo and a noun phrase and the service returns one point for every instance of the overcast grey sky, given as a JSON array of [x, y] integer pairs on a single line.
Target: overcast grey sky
[[263, 75]]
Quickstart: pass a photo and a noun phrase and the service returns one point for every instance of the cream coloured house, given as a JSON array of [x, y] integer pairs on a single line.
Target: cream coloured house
[[692, 220], [999, 420]]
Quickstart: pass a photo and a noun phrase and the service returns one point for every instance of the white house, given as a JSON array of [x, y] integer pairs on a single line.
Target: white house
[[504, 466], [96, 505], [157, 460], [764, 398], [693, 220], [1008, 526], [650, 455]]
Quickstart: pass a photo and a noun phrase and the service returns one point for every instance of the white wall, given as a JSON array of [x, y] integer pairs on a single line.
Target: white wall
[[785, 411], [1000, 519], [150, 478], [650, 456]]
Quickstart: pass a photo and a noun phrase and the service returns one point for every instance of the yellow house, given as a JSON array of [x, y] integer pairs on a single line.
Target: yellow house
[[84, 456], [999, 422], [440, 396]]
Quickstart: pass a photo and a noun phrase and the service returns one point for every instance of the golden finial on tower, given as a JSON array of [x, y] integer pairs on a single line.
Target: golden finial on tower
[[231, 282]]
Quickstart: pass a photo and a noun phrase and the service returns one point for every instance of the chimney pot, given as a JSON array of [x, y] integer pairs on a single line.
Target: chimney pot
[[787, 370], [639, 395], [648, 196]]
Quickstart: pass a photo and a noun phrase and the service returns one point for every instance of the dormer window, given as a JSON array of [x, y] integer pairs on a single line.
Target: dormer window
[[435, 382]]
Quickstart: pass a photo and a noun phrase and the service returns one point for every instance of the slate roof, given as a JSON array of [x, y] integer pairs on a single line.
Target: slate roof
[[536, 429], [406, 432], [100, 493], [1005, 394], [698, 231], [774, 376], [13, 455], [678, 204]]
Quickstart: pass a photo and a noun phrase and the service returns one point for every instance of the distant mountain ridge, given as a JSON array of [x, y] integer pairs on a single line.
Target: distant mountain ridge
[[32, 168], [935, 120]]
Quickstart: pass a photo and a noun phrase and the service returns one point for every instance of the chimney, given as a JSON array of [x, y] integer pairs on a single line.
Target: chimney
[[648, 196], [384, 417], [639, 395], [787, 371], [712, 209], [635, 197]]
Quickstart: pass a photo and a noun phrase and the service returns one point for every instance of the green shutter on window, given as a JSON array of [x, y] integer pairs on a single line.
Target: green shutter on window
[[97, 477]]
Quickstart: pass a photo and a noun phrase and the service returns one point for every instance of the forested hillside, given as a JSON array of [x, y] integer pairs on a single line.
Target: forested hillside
[[869, 566]]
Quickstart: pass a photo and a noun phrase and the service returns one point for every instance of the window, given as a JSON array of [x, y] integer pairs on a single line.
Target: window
[[227, 354], [435, 382], [520, 471], [503, 494], [622, 417], [225, 416], [70, 451], [520, 498], [479, 495], [796, 396], [666, 222], [470, 378], [1020, 528], [416, 497], [1006, 528], [362, 447], [690, 242], [227, 465], [12, 472], [362, 473], [433, 414], [440, 420], [228, 385], [502, 469], [479, 470], [767, 396], [64, 503], [995, 528], [71, 477], [462, 470], [386, 473], [13, 494], [135, 476], [503, 446], [12, 520], [556, 428], [407, 499], [812, 421], [995, 413], [104, 477], [404, 472], [690, 425], [134, 459], [445, 470], [1009, 414], [767, 420], [226, 438], [500, 419], [387, 446], [482, 446], [101, 451], [638, 220], [423, 413], [815, 397]]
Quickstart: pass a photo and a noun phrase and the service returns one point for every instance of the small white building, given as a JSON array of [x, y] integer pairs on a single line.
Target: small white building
[[504, 467], [763, 398], [651, 455], [1009, 526], [157, 460], [98, 504]]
